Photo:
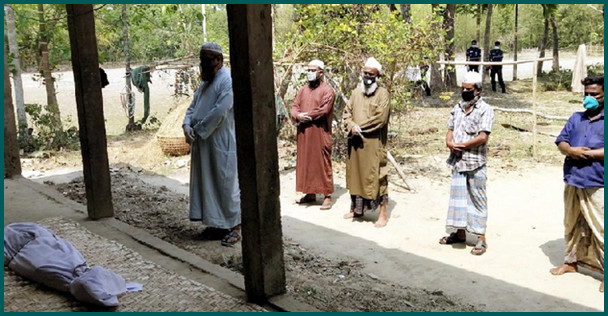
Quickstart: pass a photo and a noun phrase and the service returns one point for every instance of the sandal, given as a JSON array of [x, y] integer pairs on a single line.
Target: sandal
[[231, 238], [480, 247], [451, 239], [305, 199]]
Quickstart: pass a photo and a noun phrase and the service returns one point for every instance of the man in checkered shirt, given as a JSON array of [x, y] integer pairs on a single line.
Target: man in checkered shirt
[[469, 127]]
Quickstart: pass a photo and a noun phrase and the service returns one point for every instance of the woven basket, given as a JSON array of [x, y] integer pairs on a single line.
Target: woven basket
[[170, 136], [174, 146]]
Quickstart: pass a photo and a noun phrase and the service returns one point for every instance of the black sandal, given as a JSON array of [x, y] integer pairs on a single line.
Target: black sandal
[[451, 239], [231, 238]]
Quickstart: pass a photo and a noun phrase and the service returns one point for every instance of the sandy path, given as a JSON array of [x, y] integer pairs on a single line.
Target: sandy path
[[524, 237]]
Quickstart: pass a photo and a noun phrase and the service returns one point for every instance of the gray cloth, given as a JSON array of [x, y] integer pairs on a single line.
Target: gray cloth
[[214, 186], [34, 252]]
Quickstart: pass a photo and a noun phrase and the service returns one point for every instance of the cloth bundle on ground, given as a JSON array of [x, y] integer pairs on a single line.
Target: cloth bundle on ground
[[34, 252]]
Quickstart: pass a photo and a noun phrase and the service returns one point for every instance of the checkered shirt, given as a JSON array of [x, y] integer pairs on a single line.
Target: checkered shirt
[[466, 127]]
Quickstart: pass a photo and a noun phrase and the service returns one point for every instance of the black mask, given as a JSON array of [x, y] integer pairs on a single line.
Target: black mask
[[468, 95], [368, 81]]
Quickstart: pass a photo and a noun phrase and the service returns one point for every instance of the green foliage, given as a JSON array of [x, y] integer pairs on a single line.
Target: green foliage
[[45, 135], [351, 33], [556, 80], [595, 69]]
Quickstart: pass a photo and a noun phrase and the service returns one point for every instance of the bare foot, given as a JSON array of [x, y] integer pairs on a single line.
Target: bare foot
[[564, 268], [602, 287], [381, 222], [326, 204], [349, 215]]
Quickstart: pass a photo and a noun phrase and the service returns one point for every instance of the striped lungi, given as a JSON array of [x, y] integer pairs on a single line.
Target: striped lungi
[[468, 208]]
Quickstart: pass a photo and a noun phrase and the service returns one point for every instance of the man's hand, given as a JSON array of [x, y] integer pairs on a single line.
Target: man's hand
[[455, 147], [357, 130], [303, 117], [578, 153], [189, 133]]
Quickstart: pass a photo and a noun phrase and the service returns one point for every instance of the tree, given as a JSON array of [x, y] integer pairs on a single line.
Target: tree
[[16, 68], [52, 107], [555, 39], [548, 12], [131, 126], [486, 37], [448, 26], [406, 12]]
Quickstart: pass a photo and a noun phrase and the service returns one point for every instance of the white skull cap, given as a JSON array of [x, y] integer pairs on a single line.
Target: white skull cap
[[373, 63], [471, 77], [212, 47], [318, 63]]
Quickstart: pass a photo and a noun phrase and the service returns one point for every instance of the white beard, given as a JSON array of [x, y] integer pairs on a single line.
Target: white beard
[[369, 90]]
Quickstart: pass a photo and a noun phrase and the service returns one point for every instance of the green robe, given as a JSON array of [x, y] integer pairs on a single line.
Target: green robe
[[366, 164]]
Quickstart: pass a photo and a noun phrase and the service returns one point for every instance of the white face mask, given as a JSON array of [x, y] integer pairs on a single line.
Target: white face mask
[[496, 47], [311, 76]]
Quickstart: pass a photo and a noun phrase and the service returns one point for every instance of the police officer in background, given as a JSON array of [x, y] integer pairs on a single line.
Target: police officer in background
[[496, 55], [473, 54]]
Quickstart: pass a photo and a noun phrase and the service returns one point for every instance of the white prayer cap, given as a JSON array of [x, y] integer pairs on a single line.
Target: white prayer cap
[[471, 77], [373, 63], [318, 63]]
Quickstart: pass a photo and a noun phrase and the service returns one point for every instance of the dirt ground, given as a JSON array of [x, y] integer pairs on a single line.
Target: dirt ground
[[344, 265]]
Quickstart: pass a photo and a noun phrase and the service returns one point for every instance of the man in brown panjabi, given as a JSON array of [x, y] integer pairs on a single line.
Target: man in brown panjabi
[[312, 110], [366, 117]]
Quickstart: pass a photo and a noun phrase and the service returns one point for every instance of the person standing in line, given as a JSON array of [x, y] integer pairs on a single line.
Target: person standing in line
[[496, 55], [582, 142], [312, 110]]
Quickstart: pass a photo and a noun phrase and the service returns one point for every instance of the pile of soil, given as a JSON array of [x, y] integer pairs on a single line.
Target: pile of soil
[[329, 285]]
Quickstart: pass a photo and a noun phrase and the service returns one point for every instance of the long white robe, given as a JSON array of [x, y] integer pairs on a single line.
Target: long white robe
[[214, 186]]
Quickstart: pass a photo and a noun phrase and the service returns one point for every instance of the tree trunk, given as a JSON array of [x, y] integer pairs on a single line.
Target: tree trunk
[[45, 70], [131, 126], [18, 83], [543, 45], [515, 43], [406, 12], [448, 26], [555, 44], [486, 40], [204, 22], [478, 23], [436, 78], [12, 163]]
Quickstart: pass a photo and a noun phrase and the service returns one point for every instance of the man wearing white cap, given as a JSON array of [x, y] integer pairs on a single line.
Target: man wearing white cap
[[366, 117], [312, 110], [469, 127], [209, 128]]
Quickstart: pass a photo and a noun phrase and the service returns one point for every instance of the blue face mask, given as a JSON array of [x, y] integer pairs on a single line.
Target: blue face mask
[[590, 103]]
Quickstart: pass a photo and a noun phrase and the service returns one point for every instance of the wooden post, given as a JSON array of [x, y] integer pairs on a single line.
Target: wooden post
[[534, 128], [250, 33], [89, 103], [12, 164]]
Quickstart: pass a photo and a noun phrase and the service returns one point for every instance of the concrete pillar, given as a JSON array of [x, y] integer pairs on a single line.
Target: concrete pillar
[[250, 29], [89, 103]]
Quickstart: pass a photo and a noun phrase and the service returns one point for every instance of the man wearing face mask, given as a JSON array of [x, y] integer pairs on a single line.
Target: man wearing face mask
[[473, 54], [582, 142], [366, 117], [469, 128], [496, 55], [312, 110], [209, 129]]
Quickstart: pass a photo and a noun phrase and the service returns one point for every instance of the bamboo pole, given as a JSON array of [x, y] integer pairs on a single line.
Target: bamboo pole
[[401, 173]]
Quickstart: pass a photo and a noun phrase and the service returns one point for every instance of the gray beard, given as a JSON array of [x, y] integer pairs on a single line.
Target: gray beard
[[369, 90]]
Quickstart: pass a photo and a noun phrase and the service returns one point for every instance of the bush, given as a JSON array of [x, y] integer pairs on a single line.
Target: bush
[[595, 69], [44, 135], [556, 80]]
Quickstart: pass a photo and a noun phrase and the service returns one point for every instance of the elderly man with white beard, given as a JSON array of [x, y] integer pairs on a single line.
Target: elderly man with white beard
[[366, 117]]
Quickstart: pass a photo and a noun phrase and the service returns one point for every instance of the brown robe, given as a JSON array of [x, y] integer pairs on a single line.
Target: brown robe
[[313, 166], [366, 164]]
